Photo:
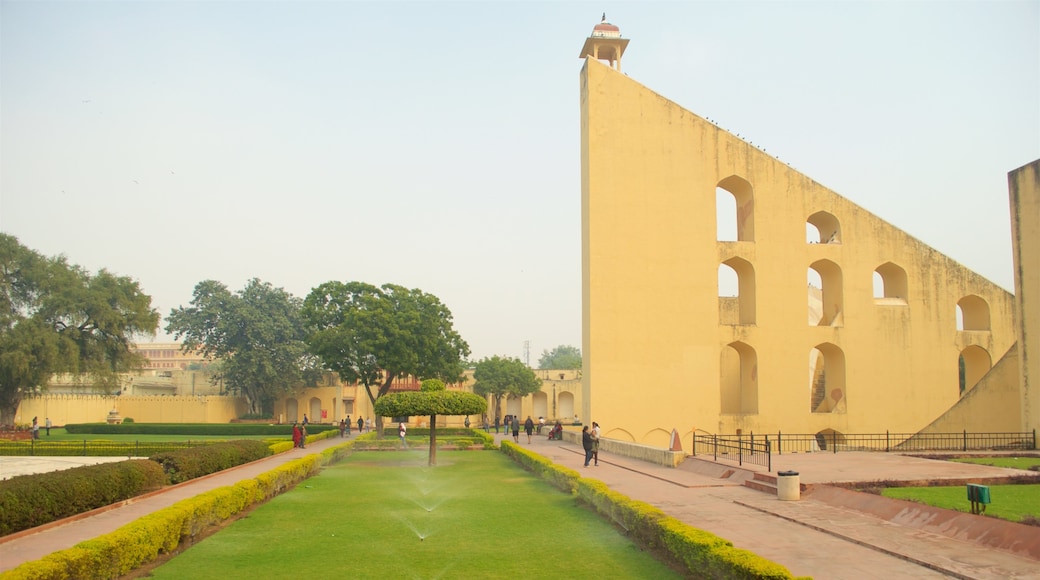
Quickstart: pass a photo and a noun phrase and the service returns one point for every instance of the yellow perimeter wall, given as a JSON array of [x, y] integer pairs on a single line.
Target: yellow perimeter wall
[[663, 351], [80, 408]]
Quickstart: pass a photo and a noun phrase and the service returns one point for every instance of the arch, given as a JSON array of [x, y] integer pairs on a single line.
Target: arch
[[826, 439], [565, 406], [827, 299], [826, 227], [973, 313], [540, 404], [738, 380], [314, 412], [827, 379], [739, 309], [741, 217], [514, 406], [292, 410], [892, 286], [972, 364]]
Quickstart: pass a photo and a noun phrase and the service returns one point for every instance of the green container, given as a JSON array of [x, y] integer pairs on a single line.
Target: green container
[[978, 493]]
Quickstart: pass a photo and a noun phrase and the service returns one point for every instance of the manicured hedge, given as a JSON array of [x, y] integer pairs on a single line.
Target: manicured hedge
[[191, 463], [218, 429], [139, 542], [701, 553], [32, 500]]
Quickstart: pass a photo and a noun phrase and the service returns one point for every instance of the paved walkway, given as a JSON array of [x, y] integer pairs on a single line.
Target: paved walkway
[[809, 537]]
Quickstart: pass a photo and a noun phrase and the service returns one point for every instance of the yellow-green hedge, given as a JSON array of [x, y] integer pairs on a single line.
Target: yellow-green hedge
[[117, 553], [702, 553]]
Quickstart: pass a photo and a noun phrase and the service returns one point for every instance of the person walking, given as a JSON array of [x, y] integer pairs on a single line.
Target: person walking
[[595, 443], [586, 444], [369, 423], [402, 431], [347, 424], [529, 428], [343, 428], [35, 429], [360, 425], [466, 422], [487, 427], [295, 435], [496, 424], [303, 435], [515, 424], [305, 420], [47, 424]]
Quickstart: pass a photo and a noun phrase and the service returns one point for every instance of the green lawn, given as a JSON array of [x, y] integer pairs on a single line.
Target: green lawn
[[1012, 462], [385, 514], [1009, 502]]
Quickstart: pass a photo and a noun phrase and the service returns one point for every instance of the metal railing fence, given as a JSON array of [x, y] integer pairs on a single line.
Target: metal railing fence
[[758, 449], [85, 448], [740, 448]]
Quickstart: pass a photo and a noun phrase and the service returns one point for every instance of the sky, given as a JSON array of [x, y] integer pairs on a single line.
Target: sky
[[436, 145]]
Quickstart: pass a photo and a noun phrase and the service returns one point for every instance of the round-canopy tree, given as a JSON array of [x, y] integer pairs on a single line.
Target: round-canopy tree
[[433, 399]]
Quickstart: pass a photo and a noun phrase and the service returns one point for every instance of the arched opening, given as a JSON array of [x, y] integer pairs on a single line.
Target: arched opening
[[514, 405], [739, 309], [292, 410], [827, 379], [540, 404], [738, 380], [972, 313], [973, 364], [314, 414], [565, 407], [827, 298], [829, 438], [890, 285], [822, 228], [735, 220]]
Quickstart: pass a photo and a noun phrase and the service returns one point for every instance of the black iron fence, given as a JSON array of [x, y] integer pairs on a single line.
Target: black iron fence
[[758, 449], [740, 448], [92, 448], [889, 441]]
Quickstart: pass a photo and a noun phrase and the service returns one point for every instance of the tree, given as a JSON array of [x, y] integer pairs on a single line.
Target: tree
[[58, 318], [372, 336], [563, 357], [257, 334], [432, 399], [500, 377]]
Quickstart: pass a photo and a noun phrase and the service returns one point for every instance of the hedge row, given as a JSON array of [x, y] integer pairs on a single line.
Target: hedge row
[[701, 553], [186, 464], [218, 429], [30, 501], [165, 531]]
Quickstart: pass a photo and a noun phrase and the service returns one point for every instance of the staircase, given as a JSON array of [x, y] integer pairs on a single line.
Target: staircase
[[767, 482]]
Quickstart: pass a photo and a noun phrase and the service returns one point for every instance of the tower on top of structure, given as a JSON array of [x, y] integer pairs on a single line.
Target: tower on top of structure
[[605, 43]]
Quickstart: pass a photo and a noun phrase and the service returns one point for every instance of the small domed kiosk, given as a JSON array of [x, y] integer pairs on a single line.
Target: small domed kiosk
[[605, 43]]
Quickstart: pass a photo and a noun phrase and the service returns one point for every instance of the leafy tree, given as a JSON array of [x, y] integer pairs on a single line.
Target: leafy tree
[[504, 377], [258, 335], [372, 336], [563, 357], [432, 399], [58, 318]]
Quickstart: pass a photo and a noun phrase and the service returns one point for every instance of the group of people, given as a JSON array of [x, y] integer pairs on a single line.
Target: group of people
[[512, 423], [345, 426], [590, 443], [299, 434], [36, 427]]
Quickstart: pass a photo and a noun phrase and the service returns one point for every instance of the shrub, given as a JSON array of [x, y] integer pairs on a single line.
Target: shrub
[[128, 420], [191, 463], [31, 500]]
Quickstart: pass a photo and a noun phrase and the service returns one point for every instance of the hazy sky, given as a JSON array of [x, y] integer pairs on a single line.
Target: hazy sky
[[435, 144]]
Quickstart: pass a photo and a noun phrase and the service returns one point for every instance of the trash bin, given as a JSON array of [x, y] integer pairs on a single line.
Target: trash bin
[[788, 486]]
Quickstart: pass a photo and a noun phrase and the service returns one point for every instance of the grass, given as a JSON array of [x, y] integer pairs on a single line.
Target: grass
[[1009, 502], [385, 514], [1012, 462]]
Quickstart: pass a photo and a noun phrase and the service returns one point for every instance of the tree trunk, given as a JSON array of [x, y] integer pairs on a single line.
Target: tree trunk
[[433, 440], [9, 407]]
